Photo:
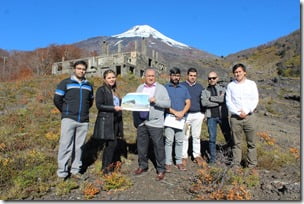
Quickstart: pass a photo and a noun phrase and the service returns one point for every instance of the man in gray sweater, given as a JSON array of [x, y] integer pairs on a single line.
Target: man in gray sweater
[[150, 124], [213, 99]]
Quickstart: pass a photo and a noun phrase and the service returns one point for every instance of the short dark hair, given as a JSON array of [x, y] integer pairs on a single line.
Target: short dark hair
[[191, 69], [80, 62], [237, 66], [175, 70]]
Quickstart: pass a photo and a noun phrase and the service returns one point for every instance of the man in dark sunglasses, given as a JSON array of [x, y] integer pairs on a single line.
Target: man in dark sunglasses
[[213, 99]]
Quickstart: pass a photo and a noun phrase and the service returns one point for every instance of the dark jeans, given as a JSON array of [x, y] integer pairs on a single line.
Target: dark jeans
[[212, 130], [144, 134]]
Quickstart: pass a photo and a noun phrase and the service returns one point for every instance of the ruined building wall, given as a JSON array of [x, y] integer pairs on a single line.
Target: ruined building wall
[[122, 63]]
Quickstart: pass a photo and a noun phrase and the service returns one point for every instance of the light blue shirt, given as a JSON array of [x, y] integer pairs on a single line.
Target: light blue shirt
[[115, 100]]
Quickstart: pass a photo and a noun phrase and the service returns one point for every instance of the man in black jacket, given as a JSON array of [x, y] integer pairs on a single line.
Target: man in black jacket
[[73, 98]]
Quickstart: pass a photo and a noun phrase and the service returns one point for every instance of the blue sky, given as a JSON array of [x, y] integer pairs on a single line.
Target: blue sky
[[220, 27]]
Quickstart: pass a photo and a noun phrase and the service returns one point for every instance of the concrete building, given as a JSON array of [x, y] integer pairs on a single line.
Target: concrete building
[[134, 62]]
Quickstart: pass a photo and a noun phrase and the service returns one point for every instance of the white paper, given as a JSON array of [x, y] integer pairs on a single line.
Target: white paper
[[136, 102], [171, 121]]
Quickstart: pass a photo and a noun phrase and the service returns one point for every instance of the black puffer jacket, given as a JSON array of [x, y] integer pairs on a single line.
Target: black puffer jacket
[[109, 124], [74, 99]]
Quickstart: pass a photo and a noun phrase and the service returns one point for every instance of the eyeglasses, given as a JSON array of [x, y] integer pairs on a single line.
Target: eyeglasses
[[213, 78]]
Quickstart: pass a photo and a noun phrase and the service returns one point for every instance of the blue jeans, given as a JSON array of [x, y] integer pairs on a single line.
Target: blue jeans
[[212, 130]]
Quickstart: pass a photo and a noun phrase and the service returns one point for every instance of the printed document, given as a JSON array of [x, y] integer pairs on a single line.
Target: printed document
[[171, 121]]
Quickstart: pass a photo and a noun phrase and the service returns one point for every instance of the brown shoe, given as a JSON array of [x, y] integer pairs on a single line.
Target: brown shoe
[[184, 161], [181, 167], [160, 176], [168, 168], [198, 160], [140, 171]]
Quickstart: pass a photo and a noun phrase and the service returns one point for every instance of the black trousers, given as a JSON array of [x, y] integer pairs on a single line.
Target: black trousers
[[109, 151], [145, 134]]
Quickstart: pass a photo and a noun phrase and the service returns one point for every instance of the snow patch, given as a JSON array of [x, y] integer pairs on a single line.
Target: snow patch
[[147, 31]]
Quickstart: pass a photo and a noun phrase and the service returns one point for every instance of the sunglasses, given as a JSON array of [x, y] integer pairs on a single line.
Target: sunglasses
[[213, 78]]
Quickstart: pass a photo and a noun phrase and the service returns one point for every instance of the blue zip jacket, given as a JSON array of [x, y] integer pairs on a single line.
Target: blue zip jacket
[[74, 99]]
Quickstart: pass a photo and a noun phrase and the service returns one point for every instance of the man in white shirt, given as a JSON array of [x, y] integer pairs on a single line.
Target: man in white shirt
[[242, 98]]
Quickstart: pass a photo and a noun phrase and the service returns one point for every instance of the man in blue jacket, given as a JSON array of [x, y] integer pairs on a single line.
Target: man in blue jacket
[[73, 98]]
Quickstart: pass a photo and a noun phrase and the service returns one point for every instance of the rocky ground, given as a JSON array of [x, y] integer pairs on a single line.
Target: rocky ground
[[283, 184]]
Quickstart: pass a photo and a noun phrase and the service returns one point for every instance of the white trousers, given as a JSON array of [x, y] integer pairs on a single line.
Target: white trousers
[[193, 128]]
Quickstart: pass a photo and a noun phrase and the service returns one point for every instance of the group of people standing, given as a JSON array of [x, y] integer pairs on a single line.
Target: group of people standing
[[232, 108]]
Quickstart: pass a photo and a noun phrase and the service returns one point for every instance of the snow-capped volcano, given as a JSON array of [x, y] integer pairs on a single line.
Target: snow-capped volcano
[[147, 31]]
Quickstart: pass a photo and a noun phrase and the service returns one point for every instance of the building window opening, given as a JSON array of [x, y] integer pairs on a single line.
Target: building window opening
[[59, 68], [150, 62], [118, 70], [141, 73], [131, 69]]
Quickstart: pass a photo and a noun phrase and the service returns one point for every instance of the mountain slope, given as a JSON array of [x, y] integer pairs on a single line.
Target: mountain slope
[[278, 57], [169, 51], [146, 31]]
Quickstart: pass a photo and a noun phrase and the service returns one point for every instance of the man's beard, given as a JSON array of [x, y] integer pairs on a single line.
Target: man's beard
[[175, 82]]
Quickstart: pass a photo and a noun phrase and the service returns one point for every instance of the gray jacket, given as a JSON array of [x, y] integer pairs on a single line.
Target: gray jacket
[[156, 113], [209, 101]]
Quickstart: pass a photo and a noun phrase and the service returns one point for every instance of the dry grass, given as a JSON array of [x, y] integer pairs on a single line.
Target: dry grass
[[29, 135]]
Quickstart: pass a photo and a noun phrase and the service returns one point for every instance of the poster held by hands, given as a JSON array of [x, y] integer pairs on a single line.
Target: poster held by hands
[[136, 102]]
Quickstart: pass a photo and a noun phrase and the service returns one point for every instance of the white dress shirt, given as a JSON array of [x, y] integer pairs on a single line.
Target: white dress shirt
[[242, 96]]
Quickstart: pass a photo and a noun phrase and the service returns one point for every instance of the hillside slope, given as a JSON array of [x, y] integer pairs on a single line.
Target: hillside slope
[[29, 134]]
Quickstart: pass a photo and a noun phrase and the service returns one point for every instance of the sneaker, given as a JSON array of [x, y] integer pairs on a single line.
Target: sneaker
[[79, 176]]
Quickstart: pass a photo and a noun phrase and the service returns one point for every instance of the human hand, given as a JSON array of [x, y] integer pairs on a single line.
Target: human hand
[[242, 114], [118, 108], [179, 115], [152, 100]]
